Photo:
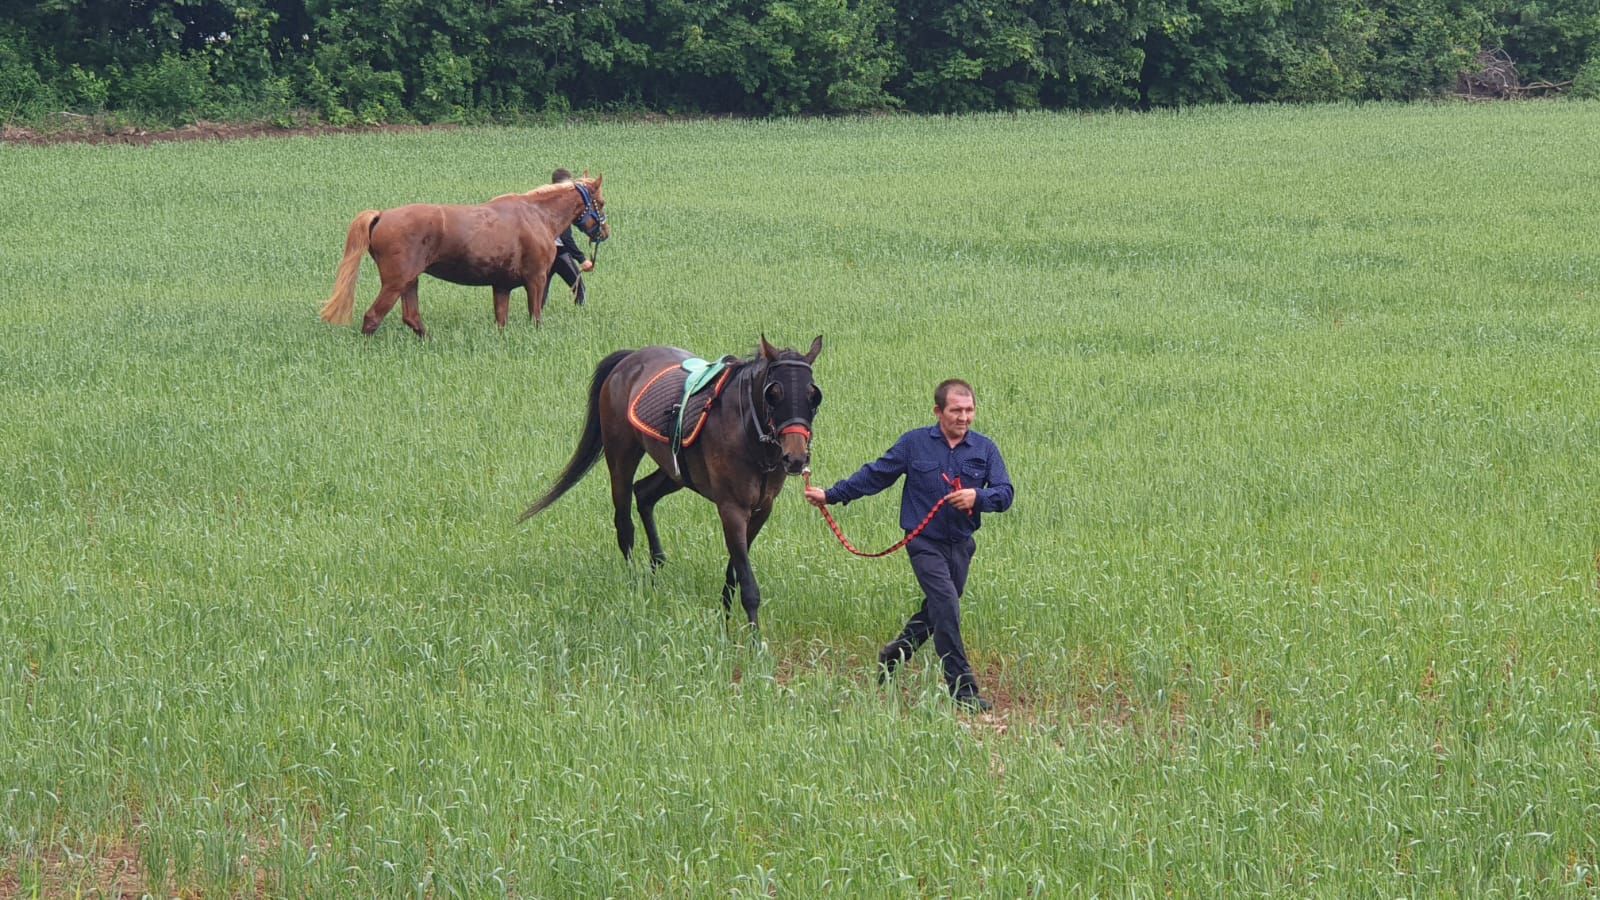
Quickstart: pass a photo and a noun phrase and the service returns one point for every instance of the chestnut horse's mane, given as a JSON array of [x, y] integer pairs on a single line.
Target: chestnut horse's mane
[[544, 189]]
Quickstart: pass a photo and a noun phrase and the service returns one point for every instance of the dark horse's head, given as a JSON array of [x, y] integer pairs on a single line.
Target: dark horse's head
[[786, 401]]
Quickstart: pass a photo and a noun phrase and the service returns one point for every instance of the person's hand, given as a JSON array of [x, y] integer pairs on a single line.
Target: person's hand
[[965, 499], [816, 497], [588, 265]]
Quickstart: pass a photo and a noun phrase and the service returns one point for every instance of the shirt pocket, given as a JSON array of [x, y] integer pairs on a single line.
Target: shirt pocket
[[925, 476], [974, 473]]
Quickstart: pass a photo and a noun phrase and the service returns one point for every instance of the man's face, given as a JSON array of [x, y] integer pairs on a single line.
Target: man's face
[[956, 416]]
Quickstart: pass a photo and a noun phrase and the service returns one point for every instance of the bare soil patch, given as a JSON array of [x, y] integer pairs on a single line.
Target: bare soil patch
[[99, 133], [109, 872]]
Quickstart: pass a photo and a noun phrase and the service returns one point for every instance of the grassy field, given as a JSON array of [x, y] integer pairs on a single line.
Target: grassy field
[[1298, 596]]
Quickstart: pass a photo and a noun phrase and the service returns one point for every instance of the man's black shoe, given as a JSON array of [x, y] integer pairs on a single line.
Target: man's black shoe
[[888, 658], [974, 703]]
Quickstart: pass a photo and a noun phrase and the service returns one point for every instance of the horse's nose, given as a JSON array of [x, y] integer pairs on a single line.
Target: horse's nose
[[797, 465]]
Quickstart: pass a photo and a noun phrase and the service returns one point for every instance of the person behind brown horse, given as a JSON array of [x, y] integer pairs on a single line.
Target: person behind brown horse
[[507, 243], [570, 262]]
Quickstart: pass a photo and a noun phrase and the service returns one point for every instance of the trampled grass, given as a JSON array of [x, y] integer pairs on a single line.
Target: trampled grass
[[1299, 595]]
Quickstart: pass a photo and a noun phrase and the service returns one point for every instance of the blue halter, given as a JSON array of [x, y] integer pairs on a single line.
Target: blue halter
[[591, 220]]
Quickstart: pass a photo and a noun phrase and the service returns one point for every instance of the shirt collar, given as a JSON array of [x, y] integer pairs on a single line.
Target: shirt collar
[[937, 433]]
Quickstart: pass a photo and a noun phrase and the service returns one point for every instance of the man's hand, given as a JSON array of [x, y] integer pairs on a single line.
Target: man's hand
[[816, 497], [587, 265], [965, 499]]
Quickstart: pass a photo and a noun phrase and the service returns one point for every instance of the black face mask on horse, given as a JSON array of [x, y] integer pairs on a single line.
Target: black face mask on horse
[[755, 430]]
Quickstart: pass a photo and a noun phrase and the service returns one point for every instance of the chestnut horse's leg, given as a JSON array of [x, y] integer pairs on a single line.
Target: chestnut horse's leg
[[410, 312], [387, 295], [536, 285], [649, 491], [736, 534], [502, 306]]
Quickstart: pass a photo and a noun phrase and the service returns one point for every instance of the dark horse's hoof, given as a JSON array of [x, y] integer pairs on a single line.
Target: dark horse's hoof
[[658, 560]]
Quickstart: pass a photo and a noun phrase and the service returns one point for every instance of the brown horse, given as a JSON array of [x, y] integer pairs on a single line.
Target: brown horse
[[757, 430], [507, 243]]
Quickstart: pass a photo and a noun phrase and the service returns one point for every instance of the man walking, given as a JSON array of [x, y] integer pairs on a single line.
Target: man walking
[[950, 461], [570, 263]]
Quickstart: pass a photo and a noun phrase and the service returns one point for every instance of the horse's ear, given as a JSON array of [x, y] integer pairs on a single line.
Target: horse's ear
[[766, 349], [599, 178], [816, 347]]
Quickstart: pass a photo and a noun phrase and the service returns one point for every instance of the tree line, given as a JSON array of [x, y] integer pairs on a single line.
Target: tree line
[[372, 61]]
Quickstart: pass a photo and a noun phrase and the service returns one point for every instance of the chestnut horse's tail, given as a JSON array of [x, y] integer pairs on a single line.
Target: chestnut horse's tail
[[589, 445], [337, 310]]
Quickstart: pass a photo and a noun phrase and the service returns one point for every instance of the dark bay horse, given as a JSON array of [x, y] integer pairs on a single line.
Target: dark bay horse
[[504, 244], [757, 431]]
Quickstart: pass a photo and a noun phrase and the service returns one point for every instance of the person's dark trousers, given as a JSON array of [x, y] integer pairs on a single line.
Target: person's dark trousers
[[941, 570], [566, 267]]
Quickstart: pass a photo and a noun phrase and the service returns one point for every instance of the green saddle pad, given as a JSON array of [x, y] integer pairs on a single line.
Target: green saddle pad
[[701, 374]]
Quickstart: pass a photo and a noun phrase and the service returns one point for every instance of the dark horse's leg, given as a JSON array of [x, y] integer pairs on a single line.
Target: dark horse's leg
[[649, 491], [622, 466], [410, 311], [739, 529]]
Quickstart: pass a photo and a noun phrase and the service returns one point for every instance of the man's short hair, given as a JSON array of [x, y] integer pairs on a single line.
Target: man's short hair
[[559, 176], [942, 392]]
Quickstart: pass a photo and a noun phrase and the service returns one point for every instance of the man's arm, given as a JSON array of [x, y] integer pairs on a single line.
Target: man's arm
[[998, 494], [569, 246], [872, 477]]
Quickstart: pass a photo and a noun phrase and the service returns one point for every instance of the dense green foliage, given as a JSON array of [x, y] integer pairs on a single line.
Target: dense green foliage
[[465, 60], [1298, 595]]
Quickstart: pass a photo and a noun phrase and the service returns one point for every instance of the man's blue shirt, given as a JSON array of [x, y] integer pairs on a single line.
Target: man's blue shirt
[[932, 468]]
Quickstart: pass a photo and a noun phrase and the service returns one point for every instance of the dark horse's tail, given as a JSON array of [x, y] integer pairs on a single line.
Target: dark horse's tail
[[589, 446]]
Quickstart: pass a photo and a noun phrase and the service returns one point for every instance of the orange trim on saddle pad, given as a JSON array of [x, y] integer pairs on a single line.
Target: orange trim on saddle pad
[[700, 423]]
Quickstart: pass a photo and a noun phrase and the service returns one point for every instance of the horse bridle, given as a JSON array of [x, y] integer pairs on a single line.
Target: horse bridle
[[591, 219], [770, 433]]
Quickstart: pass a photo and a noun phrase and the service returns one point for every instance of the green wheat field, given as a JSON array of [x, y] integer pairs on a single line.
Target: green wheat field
[[1298, 597]]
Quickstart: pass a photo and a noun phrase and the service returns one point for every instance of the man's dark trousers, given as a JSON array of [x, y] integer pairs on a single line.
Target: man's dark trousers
[[566, 267], [941, 569]]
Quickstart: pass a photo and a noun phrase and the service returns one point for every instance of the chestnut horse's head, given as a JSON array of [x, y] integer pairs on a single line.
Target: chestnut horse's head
[[791, 399], [592, 220]]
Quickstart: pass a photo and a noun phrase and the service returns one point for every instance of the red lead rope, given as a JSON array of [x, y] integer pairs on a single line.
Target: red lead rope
[[955, 485]]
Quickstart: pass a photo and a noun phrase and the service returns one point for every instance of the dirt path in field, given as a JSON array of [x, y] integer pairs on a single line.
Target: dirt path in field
[[199, 131]]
